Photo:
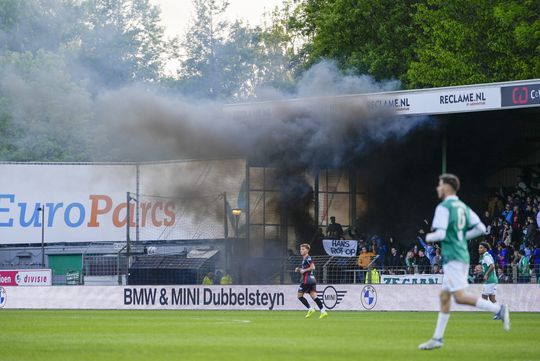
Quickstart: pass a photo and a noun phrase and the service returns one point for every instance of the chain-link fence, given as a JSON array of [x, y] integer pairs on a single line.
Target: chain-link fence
[[179, 268]]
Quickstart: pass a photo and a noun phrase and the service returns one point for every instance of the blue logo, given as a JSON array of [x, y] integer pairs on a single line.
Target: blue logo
[[369, 297], [331, 297], [3, 297]]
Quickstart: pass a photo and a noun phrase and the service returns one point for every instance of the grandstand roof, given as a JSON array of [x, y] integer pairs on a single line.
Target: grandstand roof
[[454, 99]]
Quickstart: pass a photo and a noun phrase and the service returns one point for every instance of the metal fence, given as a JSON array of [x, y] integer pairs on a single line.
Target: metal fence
[[112, 269], [339, 270]]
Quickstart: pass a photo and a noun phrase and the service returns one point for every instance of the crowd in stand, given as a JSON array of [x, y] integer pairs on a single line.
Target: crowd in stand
[[512, 219]]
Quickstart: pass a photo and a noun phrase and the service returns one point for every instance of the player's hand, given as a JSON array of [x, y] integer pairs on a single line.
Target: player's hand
[[297, 269], [485, 278]]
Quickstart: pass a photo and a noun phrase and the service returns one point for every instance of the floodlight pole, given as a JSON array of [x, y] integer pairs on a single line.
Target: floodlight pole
[[128, 243], [236, 212], [42, 210], [444, 152]]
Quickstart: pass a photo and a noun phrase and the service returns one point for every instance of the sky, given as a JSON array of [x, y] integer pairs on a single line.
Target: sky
[[176, 14]]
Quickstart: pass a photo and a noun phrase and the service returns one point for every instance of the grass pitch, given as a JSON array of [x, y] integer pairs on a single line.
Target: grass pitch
[[259, 335]]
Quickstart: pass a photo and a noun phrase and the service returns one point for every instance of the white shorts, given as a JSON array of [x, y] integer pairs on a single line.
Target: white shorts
[[489, 289], [455, 276]]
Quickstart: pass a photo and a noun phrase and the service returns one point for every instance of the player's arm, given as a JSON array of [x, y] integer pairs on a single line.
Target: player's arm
[[488, 272], [309, 269], [440, 224], [476, 228]]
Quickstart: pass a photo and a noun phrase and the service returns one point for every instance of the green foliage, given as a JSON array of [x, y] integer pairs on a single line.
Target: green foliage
[[231, 61], [468, 42], [45, 114], [425, 43], [368, 37], [121, 42], [56, 56]]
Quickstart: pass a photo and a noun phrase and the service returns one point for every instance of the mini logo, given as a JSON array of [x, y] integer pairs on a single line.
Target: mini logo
[[369, 297], [3, 297], [331, 297], [520, 95]]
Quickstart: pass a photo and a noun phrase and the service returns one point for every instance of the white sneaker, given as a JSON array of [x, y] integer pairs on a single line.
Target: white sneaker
[[505, 312], [431, 344]]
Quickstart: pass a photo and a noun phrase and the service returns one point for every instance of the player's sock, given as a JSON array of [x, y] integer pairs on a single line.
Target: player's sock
[[304, 302], [442, 320], [319, 303], [486, 305]]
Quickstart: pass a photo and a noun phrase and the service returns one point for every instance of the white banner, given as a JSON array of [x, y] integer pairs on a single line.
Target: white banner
[[340, 247], [521, 297], [414, 279], [87, 202]]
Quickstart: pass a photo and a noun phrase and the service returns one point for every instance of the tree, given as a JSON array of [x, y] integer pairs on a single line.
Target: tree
[[45, 114], [278, 57], [367, 37], [121, 42], [55, 56], [40, 24], [464, 42], [201, 70]]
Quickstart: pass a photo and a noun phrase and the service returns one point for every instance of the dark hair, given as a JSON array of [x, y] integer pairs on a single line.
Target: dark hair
[[485, 245], [450, 179]]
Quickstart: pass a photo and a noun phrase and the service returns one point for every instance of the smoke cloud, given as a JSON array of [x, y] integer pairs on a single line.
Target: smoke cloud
[[67, 102], [297, 135]]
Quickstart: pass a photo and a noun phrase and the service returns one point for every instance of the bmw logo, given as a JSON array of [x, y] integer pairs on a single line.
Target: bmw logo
[[369, 297], [3, 297]]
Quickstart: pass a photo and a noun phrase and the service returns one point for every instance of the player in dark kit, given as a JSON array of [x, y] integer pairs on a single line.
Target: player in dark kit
[[308, 284]]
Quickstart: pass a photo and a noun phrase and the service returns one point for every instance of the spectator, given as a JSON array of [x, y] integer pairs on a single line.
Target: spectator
[[217, 277], [536, 260], [424, 266], [354, 231], [507, 214], [395, 261], [502, 256], [208, 279], [381, 250], [523, 268], [410, 262], [226, 279], [529, 211], [334, 230], [486, 219], [429, 247], [364, 259], [516, 223], [507, 234], [530, 230], [373, 276], [436, 260], [503, 278], [478, 275]]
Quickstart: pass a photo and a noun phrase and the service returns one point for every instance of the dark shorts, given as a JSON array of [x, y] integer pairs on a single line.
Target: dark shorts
[[307, 288]]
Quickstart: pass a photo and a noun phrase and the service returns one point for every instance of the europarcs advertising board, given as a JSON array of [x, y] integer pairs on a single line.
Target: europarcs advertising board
[[88, 202]]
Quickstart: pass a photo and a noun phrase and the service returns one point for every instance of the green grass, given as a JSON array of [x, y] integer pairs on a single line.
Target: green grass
[[253, 335]]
